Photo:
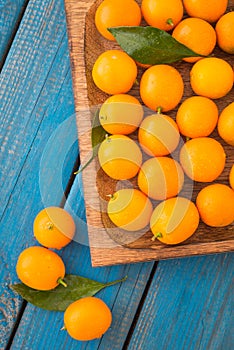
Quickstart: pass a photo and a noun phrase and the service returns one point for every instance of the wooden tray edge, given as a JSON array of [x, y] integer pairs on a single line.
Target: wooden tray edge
[[76, 14]]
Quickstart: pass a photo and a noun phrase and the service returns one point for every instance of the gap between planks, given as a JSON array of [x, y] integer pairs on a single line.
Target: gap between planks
[[13, 34], [62, 204], [140, 306]]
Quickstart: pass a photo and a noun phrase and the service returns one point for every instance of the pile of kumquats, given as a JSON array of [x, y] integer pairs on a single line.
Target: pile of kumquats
[[160, 177], [149, 156]]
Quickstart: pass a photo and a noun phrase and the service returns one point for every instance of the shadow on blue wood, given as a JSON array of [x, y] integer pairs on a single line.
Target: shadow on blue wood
[[123, 299], [10, 14], [36, 97], [189, 300], [189, 306]]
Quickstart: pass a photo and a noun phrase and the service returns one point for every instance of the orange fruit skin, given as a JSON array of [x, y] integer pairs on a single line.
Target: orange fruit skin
[[114, 13], [54, 227], [197, 116], [114, 72], [158, 135], [196, 34], [40, 268], [120, 157], [130, 209], [162, 14], [209, 10], [161, 86], [160, 178], [215, 204], [202, 159], [224, 30], [121, 114], [226, 124], [174, 220], [211, 77], [87, 318], [231, 177]]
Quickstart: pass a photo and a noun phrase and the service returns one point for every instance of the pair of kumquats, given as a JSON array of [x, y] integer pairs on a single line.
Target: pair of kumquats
[[43, 269], [161, 89]]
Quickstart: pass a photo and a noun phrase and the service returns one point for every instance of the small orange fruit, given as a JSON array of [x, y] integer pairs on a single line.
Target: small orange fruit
[[231, 177], [114, 13], [197, 116], [226, 124], [121, 114], [114, 72], [54, 227], [161, 86], [211, 77], [174, 220], [87, 318], [40, 268], [215, 204], [209, 10], [160, 178], [129, 209], [224, 30], [162, 14], [202, 159], [120, 157], [158, 135], [196, 34]]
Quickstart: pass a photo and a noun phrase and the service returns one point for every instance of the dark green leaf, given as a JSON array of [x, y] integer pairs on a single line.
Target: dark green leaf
[[97, 136], [60, 298], [150, 45]]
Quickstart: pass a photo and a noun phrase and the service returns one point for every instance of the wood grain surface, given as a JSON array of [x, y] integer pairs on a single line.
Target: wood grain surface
[[123, 299], [189, 305], [36, 97], [85, 45], [183, 304], [11, 12]]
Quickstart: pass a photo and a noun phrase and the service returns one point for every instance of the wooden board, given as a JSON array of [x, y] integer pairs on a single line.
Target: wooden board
[[107, 243]]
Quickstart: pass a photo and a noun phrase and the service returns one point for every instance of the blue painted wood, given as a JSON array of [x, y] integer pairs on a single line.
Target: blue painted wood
[[22, 80], [192, 295], [189, 306], [36, 117], [123, 299], [36, 97], [10, 13]]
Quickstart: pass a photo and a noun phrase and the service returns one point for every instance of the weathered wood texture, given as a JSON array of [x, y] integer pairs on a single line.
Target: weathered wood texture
[[189, 306], [85, 46], [10, 15], [36, 97], [193, 296], [34, 116], [123, 299]]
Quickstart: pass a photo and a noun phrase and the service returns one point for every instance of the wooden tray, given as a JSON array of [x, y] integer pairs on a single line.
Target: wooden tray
[[108, 244]]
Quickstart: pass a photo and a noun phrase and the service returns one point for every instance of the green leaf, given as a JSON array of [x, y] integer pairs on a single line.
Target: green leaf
[[60, 298], [98, 134], [150, 45]]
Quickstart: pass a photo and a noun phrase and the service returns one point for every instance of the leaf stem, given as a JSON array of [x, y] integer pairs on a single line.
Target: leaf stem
[[62, 282], [86, 164], [170, 22], [157, 235], [115, 282], [159, 110]]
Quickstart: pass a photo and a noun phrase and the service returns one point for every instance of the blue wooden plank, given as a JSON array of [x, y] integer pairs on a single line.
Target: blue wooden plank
[[122, 299], [10, 13], [22, 81], [36, 97], [189, 306]]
